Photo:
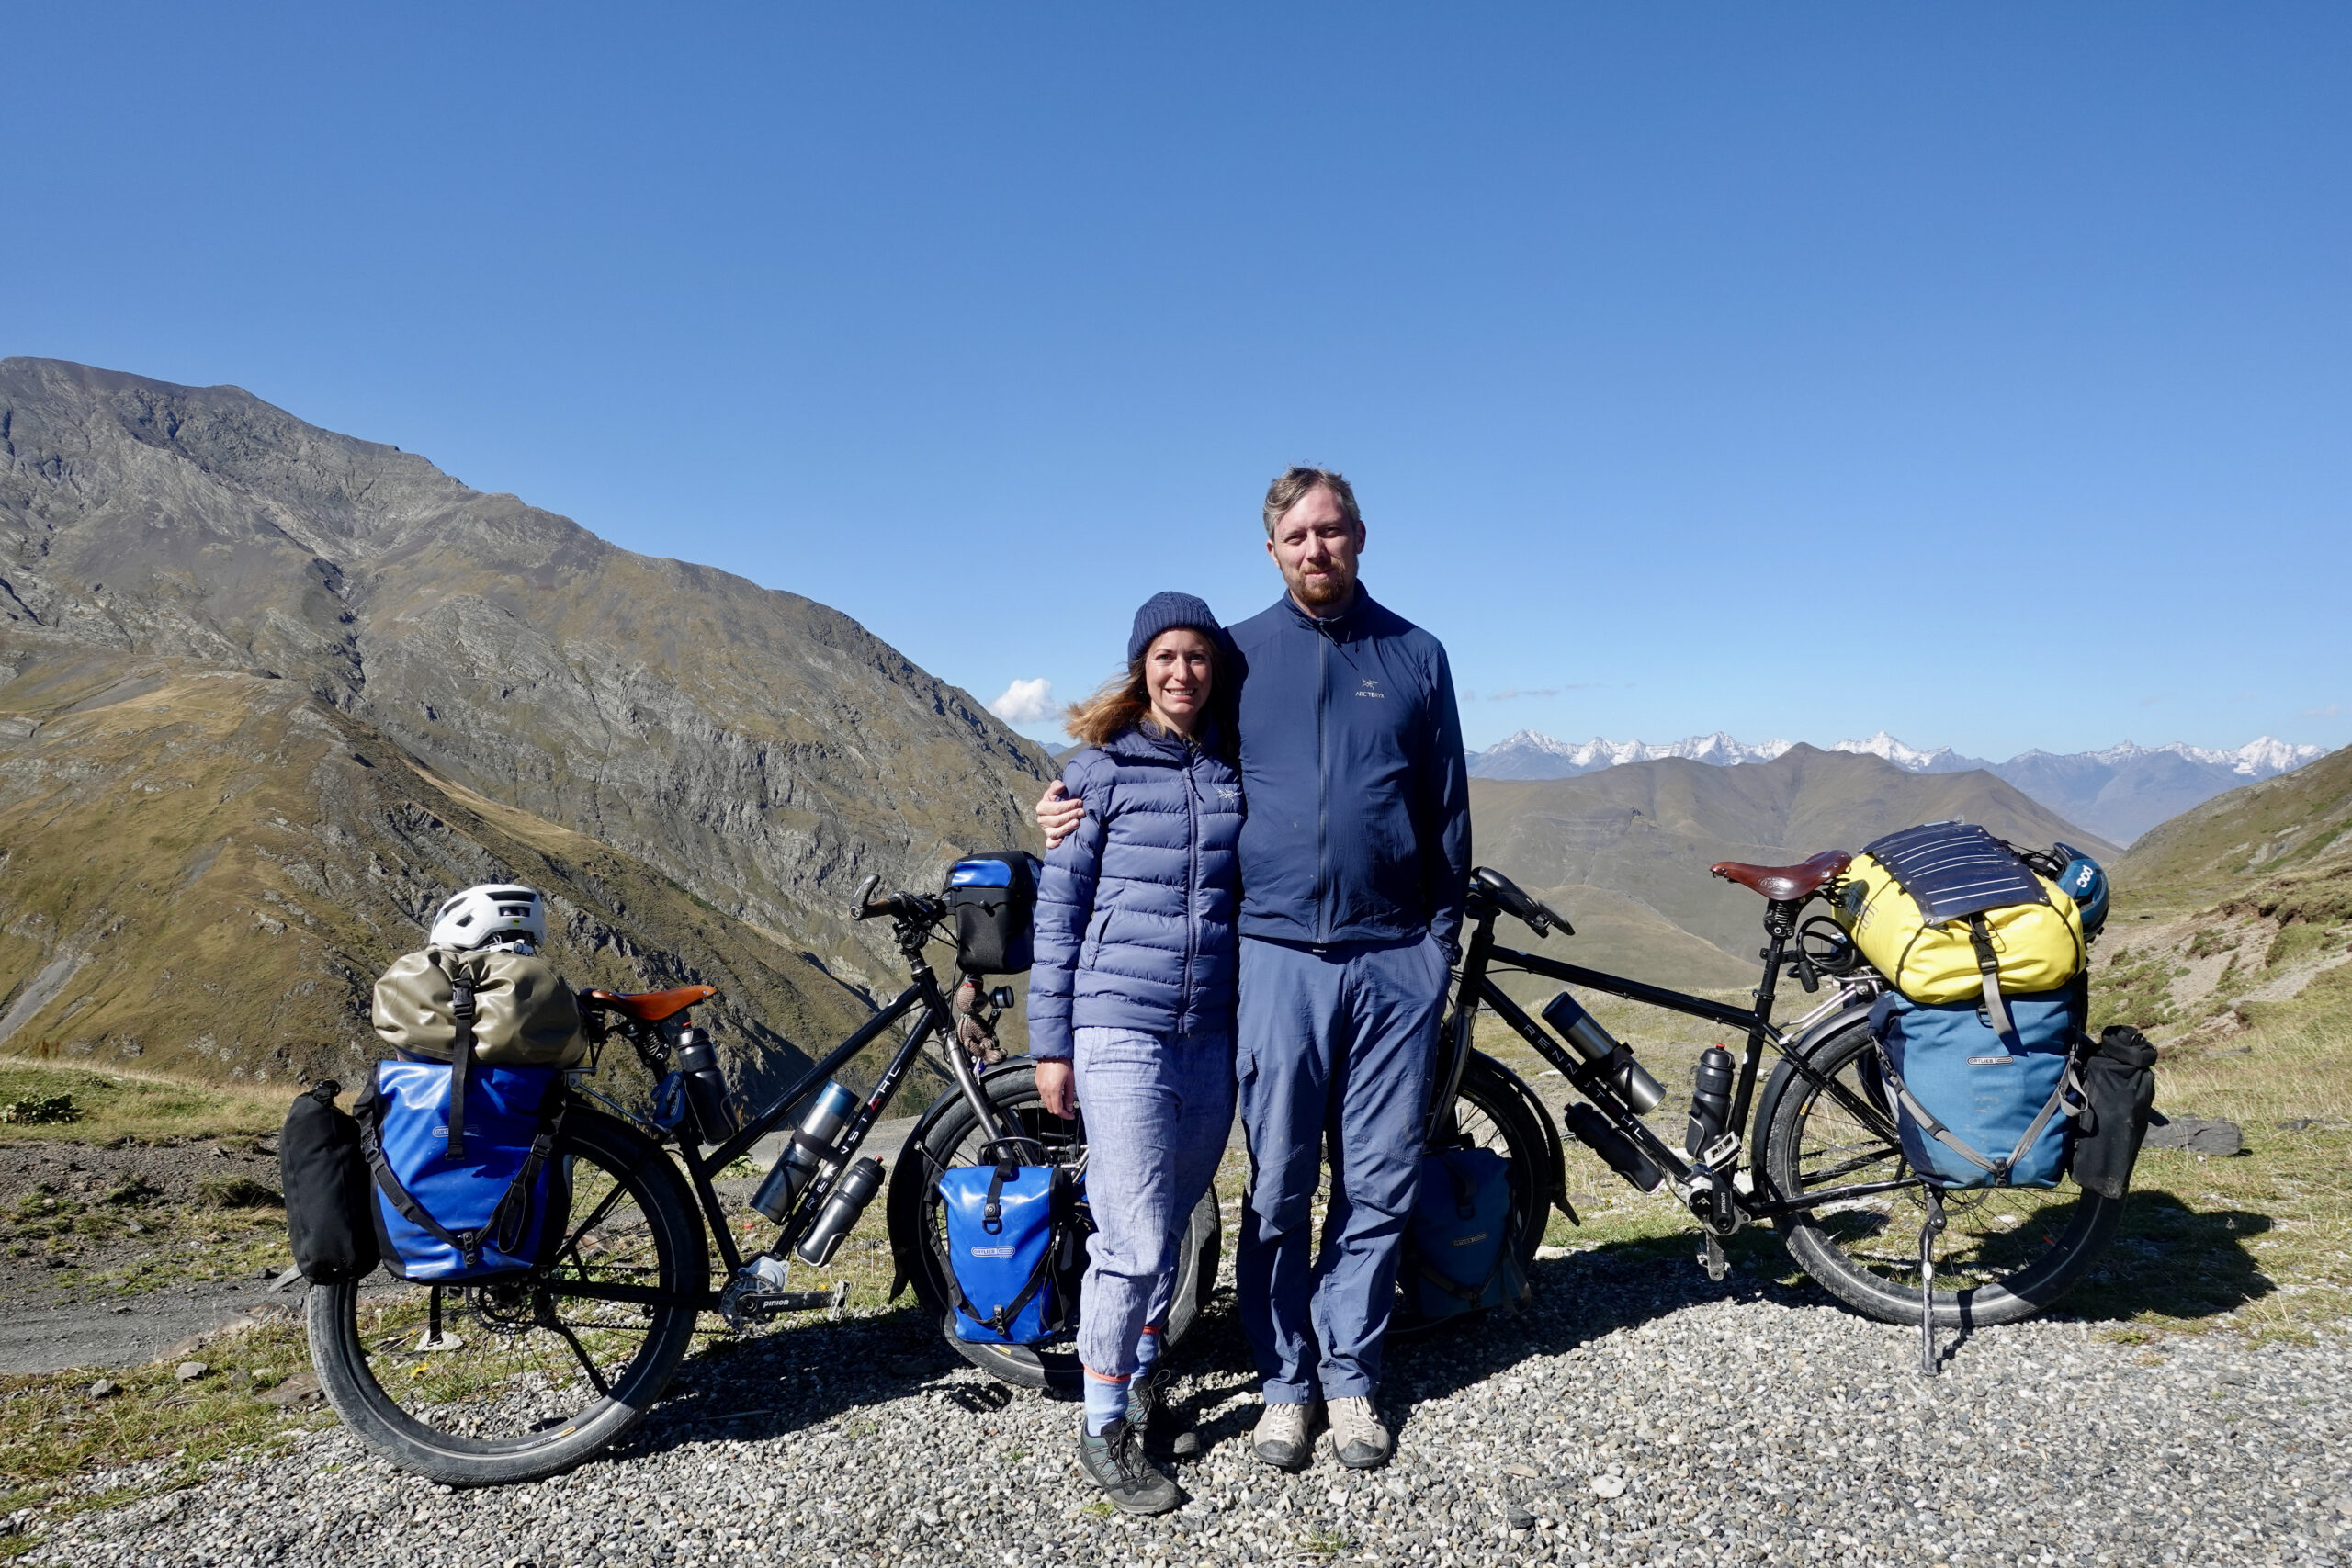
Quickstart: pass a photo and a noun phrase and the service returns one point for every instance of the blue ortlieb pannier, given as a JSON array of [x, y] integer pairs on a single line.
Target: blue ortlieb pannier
[[1977, 1108], [1458, 1242], [493, 1206], [1004, 1222]]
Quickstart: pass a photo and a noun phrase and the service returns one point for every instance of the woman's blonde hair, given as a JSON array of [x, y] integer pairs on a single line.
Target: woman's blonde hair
[[1121, 702]]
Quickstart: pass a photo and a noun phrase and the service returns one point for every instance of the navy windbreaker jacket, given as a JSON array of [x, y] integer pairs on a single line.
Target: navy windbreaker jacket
[[1134, 922], [1359, 827]]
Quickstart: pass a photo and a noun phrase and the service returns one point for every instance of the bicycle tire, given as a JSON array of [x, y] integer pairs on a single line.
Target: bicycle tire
[[1491, 1110], [2010, 1251], [918, 1234], [507, 1418]]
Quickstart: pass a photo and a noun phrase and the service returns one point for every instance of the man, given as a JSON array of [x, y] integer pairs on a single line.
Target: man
[[1354, 858]]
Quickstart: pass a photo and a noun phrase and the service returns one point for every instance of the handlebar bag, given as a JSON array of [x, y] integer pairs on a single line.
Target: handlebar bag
[[523, 1014], [1977, 1106], [456, 1209], [329, 1193], [1458, 1252], [1943, 908], [993, 898], [2119, 1085], [1002, 1226]]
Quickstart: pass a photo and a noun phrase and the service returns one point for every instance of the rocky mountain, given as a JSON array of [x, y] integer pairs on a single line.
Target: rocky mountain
[[270, 690], [1637, 840], [2118, 793]]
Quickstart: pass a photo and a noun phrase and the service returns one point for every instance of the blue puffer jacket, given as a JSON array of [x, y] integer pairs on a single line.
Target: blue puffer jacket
[[1135, 925]]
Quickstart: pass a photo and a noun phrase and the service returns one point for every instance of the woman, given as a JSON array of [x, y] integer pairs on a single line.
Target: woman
[[1131, 1004]]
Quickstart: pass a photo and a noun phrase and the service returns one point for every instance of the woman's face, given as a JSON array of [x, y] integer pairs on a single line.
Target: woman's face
[[1177, 668]]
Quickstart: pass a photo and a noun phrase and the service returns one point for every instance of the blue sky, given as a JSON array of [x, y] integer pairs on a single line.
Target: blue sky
[[1983, 374]]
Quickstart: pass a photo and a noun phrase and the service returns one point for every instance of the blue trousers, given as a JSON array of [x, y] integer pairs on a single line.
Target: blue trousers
[[1156, 1114], [1335, 1053]]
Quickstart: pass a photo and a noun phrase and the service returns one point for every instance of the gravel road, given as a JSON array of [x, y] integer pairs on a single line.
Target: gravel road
[[1634, 1414]]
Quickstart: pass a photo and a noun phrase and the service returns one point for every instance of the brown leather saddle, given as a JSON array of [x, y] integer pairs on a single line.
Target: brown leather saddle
[[1785, 884], [649, 1006]]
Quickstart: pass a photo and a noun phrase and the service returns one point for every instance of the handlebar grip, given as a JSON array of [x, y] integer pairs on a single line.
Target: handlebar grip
[[860, 907]]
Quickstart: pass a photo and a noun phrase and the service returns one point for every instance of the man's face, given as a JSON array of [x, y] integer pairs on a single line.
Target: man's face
[[1317, 547]]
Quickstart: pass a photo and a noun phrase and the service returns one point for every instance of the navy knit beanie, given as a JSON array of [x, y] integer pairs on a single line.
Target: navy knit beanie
[[1165, 613]]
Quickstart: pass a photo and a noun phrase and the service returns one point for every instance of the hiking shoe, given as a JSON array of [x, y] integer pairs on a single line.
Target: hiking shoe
[[1282, 1438], [1357, 1437], [1150, 1413], [1115, 1461]]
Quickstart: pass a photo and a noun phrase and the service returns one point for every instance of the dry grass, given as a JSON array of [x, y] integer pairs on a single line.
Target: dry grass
[[113, 1104]]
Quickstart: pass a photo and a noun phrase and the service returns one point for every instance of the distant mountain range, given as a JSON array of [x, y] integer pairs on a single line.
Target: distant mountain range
[[1624, 851], [2118, 793]]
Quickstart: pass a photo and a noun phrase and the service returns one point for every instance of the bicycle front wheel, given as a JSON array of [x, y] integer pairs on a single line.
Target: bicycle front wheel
[[525, 1378], [2009, 1251]]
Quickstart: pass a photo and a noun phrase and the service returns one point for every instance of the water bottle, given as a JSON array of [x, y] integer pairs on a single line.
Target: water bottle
[[839, 1216], [810, 1148], [705, 1086], [1710, 1100], [1632, 1082]]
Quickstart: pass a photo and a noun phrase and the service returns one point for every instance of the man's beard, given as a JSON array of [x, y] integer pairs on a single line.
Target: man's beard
[[1330, 588]]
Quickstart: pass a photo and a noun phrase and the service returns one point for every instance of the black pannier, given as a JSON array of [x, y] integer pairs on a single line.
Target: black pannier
[[330, 1198], [2119, 1085], [993, 898]]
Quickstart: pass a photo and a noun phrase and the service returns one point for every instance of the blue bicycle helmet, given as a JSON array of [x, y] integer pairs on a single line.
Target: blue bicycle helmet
[[2086, 883]]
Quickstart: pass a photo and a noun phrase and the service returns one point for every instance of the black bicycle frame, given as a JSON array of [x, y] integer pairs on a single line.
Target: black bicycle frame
[[1478, 987], [923, 994]]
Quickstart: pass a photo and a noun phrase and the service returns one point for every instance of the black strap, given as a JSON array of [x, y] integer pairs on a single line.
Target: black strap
[[461, 1051]]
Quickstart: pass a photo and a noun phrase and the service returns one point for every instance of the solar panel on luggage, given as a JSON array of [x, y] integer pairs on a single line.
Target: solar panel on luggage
[[1955, 869]]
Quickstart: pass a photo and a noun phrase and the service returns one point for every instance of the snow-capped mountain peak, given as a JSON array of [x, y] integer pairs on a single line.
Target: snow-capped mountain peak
[[1910, 759]]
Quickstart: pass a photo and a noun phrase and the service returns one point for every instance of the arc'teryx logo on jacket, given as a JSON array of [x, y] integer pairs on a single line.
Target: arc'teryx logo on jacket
[[1359, 826]]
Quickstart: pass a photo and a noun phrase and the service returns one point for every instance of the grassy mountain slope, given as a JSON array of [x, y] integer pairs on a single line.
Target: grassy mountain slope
[[2280, 835], [1647, 832], [204, 871]]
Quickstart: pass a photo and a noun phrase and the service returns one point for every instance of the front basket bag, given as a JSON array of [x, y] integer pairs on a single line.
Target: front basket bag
[[524, 1015], [994, 900], [328, 1188], [496, 1207]]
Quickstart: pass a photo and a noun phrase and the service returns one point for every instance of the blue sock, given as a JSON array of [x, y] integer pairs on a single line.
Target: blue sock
[[1147, 1350], [1106, 1401]]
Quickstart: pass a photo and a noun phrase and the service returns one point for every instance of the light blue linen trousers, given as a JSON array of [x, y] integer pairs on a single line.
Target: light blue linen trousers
[[1156, 1114]]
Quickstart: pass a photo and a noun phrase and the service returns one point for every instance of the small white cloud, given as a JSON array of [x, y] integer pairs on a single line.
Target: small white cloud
[[1026, 702], [2328, 711]]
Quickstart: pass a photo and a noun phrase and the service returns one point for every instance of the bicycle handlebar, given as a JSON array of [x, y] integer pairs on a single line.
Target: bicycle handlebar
[[902, 906]]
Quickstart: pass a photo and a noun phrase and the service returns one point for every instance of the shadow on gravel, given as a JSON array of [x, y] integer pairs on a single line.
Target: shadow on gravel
[[2169, 1259]]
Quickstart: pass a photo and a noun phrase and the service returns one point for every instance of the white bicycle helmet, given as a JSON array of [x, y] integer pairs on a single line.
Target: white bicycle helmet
[[481, 915]]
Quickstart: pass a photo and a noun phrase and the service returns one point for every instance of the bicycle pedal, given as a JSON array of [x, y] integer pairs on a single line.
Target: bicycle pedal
[[1716, 1264], [1719, 1154]]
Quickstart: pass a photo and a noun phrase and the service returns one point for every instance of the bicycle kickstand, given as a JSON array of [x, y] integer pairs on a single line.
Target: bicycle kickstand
[[1930, 1228]]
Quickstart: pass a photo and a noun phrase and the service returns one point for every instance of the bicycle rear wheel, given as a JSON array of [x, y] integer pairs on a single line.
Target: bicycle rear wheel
[[919, 1228], [525, 1380], [2008, 1252]]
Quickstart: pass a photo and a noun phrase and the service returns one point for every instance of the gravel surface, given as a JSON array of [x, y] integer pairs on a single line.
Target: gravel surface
[[1634, 1414]]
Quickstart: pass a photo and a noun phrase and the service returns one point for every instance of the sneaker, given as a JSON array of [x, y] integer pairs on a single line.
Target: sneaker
[[1282, 1438], [1357, 1437], [1115, 1461], [1164, 1431]]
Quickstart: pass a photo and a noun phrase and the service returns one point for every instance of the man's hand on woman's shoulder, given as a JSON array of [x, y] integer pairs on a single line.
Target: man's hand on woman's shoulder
[[1058, 815]]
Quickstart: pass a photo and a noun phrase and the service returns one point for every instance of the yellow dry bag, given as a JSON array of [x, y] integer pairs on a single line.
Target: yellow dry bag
[[1937, 909]]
